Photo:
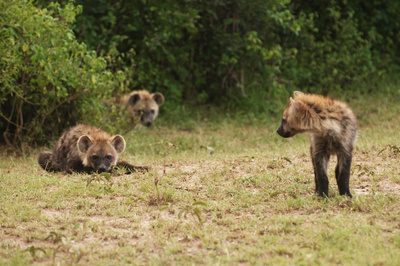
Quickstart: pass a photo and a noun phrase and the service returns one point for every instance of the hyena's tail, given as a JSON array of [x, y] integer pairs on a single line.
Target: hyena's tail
[[44, 160]]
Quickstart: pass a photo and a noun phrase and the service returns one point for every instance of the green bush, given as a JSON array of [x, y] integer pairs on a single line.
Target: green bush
[[225, 52], [49, 80], [245, 55], [334, 54]]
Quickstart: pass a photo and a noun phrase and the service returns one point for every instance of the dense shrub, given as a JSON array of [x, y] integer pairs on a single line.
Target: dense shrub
[[350, 42], [48, 79], [224, 52], [242, 53]]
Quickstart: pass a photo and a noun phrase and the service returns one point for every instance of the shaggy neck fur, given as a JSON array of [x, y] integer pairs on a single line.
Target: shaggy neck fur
[[313, 116]]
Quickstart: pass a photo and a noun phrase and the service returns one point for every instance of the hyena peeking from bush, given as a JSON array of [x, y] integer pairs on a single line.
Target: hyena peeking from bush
[[86, 149], [332, 127], [142, 105]]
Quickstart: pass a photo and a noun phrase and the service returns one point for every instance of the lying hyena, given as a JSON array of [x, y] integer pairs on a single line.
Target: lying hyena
[[85, 148], [141, 104], [332, 126]]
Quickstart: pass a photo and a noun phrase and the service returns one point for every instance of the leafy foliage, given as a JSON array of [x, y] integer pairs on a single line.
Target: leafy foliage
[[334, 53], [49, 80], [203, 52], [246, 56]]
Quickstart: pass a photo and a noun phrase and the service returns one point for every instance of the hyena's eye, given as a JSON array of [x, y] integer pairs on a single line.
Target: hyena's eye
[[152, 111], [284, 121], [109, 157], [95, 157]]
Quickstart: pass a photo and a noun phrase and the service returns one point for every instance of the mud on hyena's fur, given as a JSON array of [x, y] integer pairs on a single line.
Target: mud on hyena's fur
[[85, 148], [143, 105], [332, 127]]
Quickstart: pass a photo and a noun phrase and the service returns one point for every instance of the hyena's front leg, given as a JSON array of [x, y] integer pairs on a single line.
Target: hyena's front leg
[[133, 168], [320, 171], [44, 160], [315, 170], [342, 173]]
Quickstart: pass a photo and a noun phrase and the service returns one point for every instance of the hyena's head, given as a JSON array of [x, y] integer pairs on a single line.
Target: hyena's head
[[292, 118], [100, 154], [146, 106]]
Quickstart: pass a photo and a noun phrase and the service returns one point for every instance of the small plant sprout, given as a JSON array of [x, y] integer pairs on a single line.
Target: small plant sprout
[[193, 210], [395, 149], [33, 250]]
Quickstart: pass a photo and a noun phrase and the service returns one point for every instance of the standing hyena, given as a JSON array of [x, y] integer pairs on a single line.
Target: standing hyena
[[85, 148], [332, 126], [141, 104]]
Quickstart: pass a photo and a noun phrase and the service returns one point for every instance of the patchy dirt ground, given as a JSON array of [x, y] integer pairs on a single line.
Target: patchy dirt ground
[[249, 207]]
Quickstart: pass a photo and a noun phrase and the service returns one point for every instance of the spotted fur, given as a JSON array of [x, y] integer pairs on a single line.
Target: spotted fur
[[143, 105], [332, 127], [85, 148]]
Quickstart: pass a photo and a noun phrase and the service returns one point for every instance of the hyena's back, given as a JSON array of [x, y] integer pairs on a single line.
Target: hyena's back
[[334, 122]]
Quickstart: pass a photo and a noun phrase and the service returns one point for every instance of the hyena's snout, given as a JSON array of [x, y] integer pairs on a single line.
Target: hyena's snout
[[282, 133], [147, 119], [102, 169], [146, 122], [102, 166]]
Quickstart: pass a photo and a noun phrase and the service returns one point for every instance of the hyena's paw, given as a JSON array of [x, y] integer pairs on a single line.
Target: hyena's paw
[[44, 159], [142, 169], [133, 168]]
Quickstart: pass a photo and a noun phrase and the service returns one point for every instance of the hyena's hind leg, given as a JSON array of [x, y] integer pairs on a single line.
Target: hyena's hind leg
[[342, 173], [44, 159]]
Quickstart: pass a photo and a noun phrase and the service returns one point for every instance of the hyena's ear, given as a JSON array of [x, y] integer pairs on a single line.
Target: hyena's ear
[[158, 98], [84, 143], [118, 142], [134, 99], [297, 93], [295, 105]]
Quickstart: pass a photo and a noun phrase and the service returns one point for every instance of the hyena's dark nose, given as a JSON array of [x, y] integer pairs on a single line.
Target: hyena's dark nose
[[148, 124], [102, 169], [280, 131]]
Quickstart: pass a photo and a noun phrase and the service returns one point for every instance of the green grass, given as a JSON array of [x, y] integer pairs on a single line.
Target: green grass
[[228, 191]]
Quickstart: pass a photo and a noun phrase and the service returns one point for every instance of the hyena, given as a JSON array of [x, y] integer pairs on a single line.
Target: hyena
[[144, 105], [332, 127], [85, 148]]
